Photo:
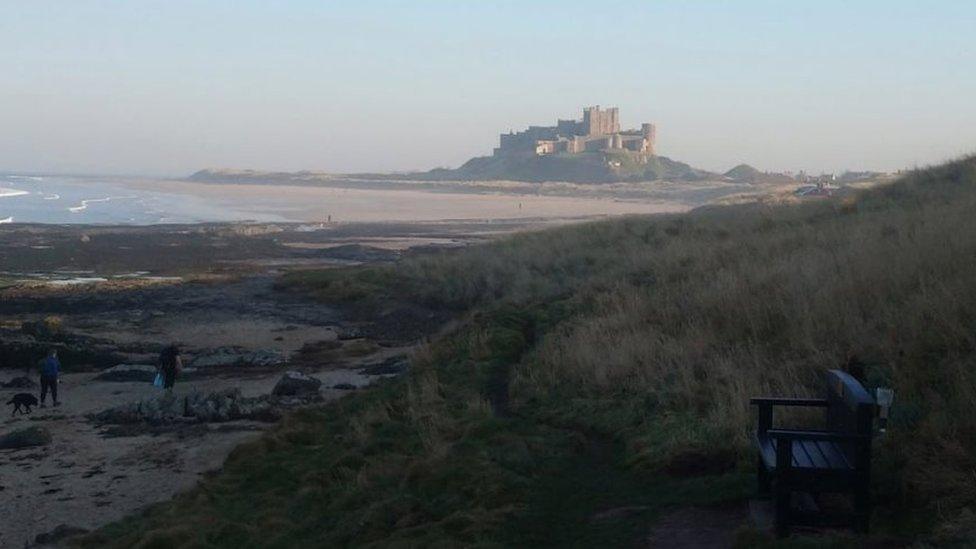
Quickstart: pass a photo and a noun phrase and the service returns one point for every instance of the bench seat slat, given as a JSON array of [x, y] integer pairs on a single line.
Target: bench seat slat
[[834, 455], [807, 454], [837, 456], [801, 458], [816, 456]]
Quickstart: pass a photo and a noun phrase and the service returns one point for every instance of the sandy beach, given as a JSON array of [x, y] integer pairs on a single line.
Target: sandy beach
[[311, 203]]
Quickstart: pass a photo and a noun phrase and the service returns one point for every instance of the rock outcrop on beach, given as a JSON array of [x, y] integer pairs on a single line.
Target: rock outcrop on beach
[[217, 406], [25, 438], [20, 349], [237, 356], [22, 382], [59, 534], [128, 372], [392, 366], [296, 384]]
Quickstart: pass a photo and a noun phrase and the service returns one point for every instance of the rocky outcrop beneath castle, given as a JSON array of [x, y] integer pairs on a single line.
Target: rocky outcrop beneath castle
[[588, 167]]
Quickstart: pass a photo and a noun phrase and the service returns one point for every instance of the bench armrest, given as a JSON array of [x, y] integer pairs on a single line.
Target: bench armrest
[[772, 401], [816, 435]]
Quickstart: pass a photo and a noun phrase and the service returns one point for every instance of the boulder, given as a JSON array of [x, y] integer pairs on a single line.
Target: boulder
[[128, 372], [22, 382], [166, 408], [61, 533], [344, 386], [25, 438], [237, 356], [345, 333], [391, 366], [296, 384]]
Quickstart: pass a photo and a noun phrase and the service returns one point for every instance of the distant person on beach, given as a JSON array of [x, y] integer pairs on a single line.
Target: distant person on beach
[[50, 370], [170, 365]]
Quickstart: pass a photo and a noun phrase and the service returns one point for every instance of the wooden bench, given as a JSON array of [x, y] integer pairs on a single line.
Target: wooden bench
[[836, 459]]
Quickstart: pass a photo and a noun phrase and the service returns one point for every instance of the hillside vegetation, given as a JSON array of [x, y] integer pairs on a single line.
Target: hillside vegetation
[[609, 365], [589, 167]]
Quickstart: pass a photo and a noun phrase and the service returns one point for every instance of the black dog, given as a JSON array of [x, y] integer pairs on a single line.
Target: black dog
[[23, 399]]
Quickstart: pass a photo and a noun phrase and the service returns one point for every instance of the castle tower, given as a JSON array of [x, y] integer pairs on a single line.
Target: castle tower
[[649, 131], [591, 120]]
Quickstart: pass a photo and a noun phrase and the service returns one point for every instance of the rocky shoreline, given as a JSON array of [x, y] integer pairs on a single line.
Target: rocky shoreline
[[252, 354]]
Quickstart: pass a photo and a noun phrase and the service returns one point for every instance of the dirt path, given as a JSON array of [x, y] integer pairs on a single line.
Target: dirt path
[[698, 528]]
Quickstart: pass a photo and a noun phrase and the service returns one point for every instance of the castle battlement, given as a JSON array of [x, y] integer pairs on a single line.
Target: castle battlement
[[599, 130]]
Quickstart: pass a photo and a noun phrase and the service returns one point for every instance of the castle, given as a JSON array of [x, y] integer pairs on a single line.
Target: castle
[[598, 131]]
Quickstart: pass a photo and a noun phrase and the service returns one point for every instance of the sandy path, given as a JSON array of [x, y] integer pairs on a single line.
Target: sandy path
[[83, 479]]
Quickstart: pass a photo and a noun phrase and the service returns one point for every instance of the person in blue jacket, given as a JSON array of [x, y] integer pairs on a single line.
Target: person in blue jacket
[[50, 370]]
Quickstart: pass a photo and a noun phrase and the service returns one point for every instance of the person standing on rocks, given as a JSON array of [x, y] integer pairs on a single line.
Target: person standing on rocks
[[170, 365], [50, 370]]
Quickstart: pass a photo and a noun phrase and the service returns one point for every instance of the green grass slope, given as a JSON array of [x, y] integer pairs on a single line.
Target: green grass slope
[[609, 365]]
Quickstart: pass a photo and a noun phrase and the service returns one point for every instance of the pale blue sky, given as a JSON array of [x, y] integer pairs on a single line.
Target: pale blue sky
[[168, 87]]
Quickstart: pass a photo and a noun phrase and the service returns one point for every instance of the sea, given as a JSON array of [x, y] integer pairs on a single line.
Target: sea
[[85, 200]]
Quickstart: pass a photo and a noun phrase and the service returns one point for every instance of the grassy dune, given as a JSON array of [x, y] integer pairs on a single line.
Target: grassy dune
[[609, 365]]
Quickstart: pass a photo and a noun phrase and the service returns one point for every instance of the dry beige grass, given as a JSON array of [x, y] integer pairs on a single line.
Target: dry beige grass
[[723, 305]]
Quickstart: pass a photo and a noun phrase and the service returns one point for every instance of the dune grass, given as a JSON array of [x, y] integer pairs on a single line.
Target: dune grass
[[598, 360]]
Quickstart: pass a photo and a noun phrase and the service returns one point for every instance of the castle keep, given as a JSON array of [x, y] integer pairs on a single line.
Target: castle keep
[[598, 131]]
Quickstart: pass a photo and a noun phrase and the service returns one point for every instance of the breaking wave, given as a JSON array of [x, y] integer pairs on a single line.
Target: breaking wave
[[11, 192], [84, 203]]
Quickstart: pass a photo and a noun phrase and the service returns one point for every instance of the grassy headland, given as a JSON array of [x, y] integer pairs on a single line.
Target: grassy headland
[[589, 167], [609, 365]]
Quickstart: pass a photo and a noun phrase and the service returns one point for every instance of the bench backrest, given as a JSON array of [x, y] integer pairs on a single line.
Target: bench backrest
[[850, 408]]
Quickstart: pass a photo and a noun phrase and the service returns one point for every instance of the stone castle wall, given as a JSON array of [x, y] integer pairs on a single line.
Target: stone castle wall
[[598, 130]]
